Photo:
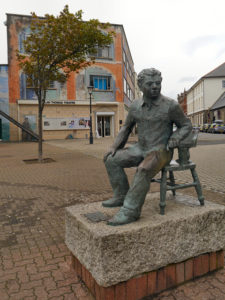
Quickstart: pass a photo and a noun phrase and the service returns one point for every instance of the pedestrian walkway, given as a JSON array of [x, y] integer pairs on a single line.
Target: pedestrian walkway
[[34, 261], [209, 158]]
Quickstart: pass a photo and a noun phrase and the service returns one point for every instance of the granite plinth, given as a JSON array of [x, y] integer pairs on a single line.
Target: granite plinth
[[116, 254]]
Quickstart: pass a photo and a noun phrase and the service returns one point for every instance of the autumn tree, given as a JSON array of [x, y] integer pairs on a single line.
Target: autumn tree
[[56, 47]]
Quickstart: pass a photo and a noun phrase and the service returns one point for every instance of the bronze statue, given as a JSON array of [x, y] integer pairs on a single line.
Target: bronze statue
[[154, 116]]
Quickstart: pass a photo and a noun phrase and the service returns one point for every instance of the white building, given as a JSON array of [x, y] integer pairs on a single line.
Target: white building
[[203, 94]]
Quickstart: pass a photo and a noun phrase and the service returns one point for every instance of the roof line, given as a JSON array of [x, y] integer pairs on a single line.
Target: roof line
[[206, 75], [21, 15]]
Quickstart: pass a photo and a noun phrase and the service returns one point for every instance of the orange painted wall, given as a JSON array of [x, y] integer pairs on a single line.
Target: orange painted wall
[[71, 87], [116, 67], [14, 84]]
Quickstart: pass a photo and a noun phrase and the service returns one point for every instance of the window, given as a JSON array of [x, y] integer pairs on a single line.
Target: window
[[103, 52], [28, 92], [223, 83], [52, 84], [127, 90], [100, 82], [127, 67], [23, 35]]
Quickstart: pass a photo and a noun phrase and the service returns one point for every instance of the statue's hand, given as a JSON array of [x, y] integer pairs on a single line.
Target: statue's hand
[[112, 151], [173, 143]]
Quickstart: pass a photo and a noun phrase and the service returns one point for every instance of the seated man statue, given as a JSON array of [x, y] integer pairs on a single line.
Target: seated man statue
[[154, 116]]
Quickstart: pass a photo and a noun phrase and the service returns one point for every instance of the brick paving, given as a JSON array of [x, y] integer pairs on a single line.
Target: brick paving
[[34, 261]]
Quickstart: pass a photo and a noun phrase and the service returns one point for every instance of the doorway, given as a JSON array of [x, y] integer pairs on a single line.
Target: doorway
[[103, 125]]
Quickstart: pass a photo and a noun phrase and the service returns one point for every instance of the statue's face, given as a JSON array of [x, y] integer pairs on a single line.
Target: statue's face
[[152, 86]]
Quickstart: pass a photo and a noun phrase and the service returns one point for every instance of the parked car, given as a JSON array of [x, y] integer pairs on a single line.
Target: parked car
[[201, 128], [218, 121], [219, 128], [206, 127], [211, 128], [215, 124], [196, 127]]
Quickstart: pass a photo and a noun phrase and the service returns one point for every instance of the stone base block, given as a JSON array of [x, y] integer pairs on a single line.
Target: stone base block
[[116, 254], [153, 282]]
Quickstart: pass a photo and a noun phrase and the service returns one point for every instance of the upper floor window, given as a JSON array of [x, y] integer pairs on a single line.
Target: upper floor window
[[100, 82], [223, 83], [103, 52], [27, 91], [22, 37], [127, 90], [127, 66]]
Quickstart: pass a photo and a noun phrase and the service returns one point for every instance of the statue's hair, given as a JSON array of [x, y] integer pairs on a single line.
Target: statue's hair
[[146, 73]]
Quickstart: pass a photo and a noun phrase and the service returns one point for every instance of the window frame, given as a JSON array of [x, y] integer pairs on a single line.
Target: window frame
[[108, 79], [100, 52]]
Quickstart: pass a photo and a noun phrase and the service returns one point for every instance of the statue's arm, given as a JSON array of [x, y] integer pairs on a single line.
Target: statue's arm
[[122, 137], [183, 124]]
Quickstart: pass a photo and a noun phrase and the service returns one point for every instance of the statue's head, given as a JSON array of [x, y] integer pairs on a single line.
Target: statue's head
[[149, 82]]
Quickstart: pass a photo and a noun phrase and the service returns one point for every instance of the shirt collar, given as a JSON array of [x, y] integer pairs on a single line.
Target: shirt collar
[[152, 103]]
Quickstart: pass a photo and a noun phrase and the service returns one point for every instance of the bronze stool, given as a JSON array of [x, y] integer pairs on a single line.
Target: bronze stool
[[181, 164]]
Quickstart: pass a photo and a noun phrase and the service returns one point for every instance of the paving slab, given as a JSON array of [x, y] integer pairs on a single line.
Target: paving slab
[[34, 260]]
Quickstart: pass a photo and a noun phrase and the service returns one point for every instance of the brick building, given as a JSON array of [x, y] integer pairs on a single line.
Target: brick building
[[182, 100], [66, 111]]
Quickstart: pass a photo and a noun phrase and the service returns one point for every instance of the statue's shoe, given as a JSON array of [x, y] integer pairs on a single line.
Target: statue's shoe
[[121, 219], [113, 202]]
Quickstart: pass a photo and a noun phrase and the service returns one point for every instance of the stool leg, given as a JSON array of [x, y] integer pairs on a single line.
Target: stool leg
[[198, 186], [162, 203], [172, 180]]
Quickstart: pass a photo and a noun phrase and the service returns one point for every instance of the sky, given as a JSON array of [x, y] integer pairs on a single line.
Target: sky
[[184, 39]]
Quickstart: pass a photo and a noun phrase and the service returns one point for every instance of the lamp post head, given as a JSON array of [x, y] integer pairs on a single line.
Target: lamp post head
[[90, 89]]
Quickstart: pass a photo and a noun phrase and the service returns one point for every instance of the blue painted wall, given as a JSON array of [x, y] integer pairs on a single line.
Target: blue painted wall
[[4, 100], [58, 92]]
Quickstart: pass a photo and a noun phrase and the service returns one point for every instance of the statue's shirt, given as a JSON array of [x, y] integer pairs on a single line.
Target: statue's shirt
[[155, 121]]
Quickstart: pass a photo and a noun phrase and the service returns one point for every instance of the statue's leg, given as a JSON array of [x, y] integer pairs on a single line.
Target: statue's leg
[[115, 165], [135, 197]]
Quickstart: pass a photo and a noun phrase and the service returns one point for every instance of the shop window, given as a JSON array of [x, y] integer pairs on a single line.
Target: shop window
[[100, 82]]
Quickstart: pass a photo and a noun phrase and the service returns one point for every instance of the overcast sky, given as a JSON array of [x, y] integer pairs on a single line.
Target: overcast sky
[[184, 39]]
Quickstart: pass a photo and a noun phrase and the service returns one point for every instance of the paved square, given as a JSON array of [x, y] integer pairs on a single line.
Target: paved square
[[34, 261]]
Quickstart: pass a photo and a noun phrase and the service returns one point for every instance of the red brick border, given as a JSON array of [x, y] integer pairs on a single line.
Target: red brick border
[[152, 282]]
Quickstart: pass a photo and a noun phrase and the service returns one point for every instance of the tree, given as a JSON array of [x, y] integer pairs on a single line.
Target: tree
[[56, 47]]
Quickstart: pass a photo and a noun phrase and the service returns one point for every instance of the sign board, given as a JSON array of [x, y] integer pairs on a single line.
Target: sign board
[[66, 123]]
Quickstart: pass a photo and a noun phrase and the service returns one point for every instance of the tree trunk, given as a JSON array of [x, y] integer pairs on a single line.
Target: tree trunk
[[40, 151]]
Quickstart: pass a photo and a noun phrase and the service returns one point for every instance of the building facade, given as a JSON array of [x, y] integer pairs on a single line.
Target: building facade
[[67, 108], [217, 110], [203, 94], [182, 100]]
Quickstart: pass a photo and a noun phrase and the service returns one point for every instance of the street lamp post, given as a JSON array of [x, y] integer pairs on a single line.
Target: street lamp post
[[90, 90]]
